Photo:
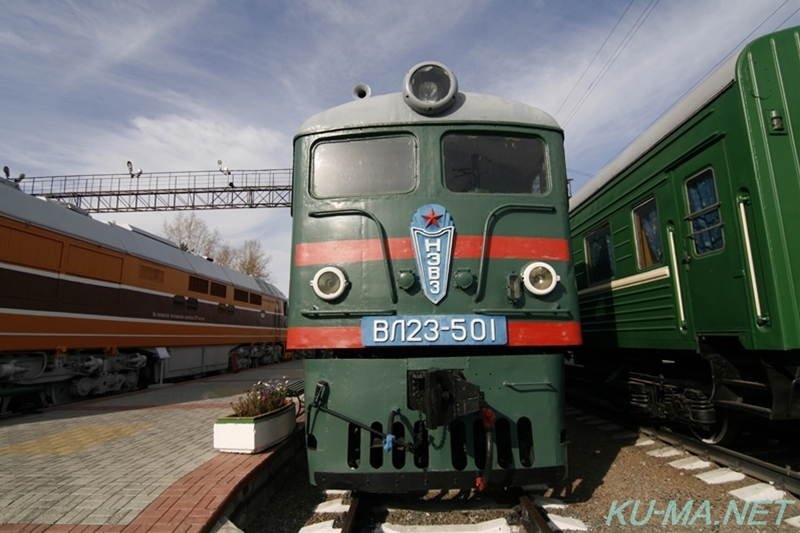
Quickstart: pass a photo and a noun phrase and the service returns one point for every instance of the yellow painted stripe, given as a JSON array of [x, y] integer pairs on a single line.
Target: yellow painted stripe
[[71, 440]]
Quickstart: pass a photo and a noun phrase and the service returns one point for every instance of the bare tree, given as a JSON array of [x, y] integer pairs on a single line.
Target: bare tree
[[191, 233], [252, 261], [226, 254]]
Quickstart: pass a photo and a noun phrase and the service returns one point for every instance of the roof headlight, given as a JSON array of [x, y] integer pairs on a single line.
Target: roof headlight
[[540, 278], [329, 283], [430, 88]]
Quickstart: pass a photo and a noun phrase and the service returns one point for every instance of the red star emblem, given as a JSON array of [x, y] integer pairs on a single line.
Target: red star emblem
[[432, 219]]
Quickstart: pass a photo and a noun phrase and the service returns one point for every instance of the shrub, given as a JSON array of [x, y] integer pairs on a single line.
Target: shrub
[[262, 398]]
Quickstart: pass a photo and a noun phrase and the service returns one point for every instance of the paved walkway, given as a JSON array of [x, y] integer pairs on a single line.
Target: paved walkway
[[135, 462]]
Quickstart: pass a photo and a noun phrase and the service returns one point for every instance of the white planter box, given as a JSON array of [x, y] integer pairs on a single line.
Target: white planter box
[[253, 434]]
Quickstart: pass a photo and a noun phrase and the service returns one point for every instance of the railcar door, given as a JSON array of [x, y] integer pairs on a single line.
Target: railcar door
[[710, 251]]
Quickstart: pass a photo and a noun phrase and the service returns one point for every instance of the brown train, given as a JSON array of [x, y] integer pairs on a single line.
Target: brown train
[[88, 307]]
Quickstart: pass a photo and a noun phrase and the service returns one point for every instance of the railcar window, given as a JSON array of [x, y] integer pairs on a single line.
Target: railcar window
[[198, 284], [600, 254], [240, 296], [493, 164], [704, 213], [218, 289], [364, 166], [648, 234]]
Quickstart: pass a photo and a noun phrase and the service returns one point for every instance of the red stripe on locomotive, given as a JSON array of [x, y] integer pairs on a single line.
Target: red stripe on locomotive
[[544, 333], [324, 337], [466, 247], [519, 334]]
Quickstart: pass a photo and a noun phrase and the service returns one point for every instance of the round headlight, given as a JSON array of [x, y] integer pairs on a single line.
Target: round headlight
[[540, 278], [329, 283], [430, 88]]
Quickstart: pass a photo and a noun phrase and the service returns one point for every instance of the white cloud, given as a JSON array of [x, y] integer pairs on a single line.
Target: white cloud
[[182, 143]]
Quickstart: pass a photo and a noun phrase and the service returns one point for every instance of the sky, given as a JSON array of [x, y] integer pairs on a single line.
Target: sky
[[86, 86]]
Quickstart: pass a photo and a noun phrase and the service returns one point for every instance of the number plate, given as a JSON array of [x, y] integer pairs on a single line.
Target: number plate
[[436, 330]]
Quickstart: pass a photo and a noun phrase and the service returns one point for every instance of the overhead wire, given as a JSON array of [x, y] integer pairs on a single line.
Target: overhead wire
[[595, 57], [787, 18], [579, 172], [610, 62], [712, 69]]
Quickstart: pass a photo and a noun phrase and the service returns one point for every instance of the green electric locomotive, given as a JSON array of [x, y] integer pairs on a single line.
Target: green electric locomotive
[[432, 276], [687, 252]]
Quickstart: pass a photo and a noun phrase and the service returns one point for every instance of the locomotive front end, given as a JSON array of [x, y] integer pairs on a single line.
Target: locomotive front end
[[432, 285]]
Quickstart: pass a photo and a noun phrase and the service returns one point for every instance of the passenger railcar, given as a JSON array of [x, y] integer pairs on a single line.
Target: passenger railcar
[[687, 252], [432, 267], [88, 307]]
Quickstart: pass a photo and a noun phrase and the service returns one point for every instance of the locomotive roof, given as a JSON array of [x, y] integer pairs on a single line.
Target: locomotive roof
[[46, 214], [717, 82], [392, 109]]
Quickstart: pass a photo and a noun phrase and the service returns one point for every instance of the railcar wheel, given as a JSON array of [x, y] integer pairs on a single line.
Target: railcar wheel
[[59, 392], [723, 431], [131, 380]]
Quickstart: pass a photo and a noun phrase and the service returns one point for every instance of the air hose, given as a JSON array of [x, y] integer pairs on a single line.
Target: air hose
[[488, 424], [388, 440]]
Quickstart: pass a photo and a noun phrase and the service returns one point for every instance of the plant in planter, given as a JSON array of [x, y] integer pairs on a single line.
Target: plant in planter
[[264, 416]]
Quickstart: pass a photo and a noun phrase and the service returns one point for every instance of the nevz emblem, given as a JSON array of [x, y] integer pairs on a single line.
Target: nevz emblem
[[432, 232]]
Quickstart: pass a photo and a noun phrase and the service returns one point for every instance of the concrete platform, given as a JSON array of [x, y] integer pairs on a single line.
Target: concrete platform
[[134, 462]]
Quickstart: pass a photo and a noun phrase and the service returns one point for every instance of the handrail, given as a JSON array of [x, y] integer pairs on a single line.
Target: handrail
[[761, 319], [381, 234], [489, 218], [674, 263]]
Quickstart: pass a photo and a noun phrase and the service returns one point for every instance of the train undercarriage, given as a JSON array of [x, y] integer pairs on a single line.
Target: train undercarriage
[[714, 390], [33, 380]]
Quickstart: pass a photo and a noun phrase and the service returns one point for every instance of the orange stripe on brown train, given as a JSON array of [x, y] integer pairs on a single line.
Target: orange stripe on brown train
[[89, 308], [433, 280]]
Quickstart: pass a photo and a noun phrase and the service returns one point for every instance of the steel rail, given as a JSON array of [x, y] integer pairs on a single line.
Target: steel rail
[[350, 518], [535, 517], [783, 478]]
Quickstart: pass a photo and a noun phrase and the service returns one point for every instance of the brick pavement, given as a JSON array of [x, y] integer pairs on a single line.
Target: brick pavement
[[141, 461]]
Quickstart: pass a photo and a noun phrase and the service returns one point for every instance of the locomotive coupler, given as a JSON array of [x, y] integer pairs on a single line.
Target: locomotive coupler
[[442, 395]]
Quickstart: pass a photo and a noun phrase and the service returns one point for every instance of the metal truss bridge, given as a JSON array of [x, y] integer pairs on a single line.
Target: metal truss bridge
[[167, 191]]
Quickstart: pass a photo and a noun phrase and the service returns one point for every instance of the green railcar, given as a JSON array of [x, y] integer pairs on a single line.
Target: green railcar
[[432, 278], [687, 251]]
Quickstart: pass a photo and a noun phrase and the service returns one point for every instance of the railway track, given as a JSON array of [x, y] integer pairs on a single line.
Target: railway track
[[783, 478], [466, 512], [779, 471]]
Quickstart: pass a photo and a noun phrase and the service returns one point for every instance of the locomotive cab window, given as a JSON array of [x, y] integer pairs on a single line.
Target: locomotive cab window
[[647, 230], [363, 167], [704, 214], [494, 164], [600, 254]]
